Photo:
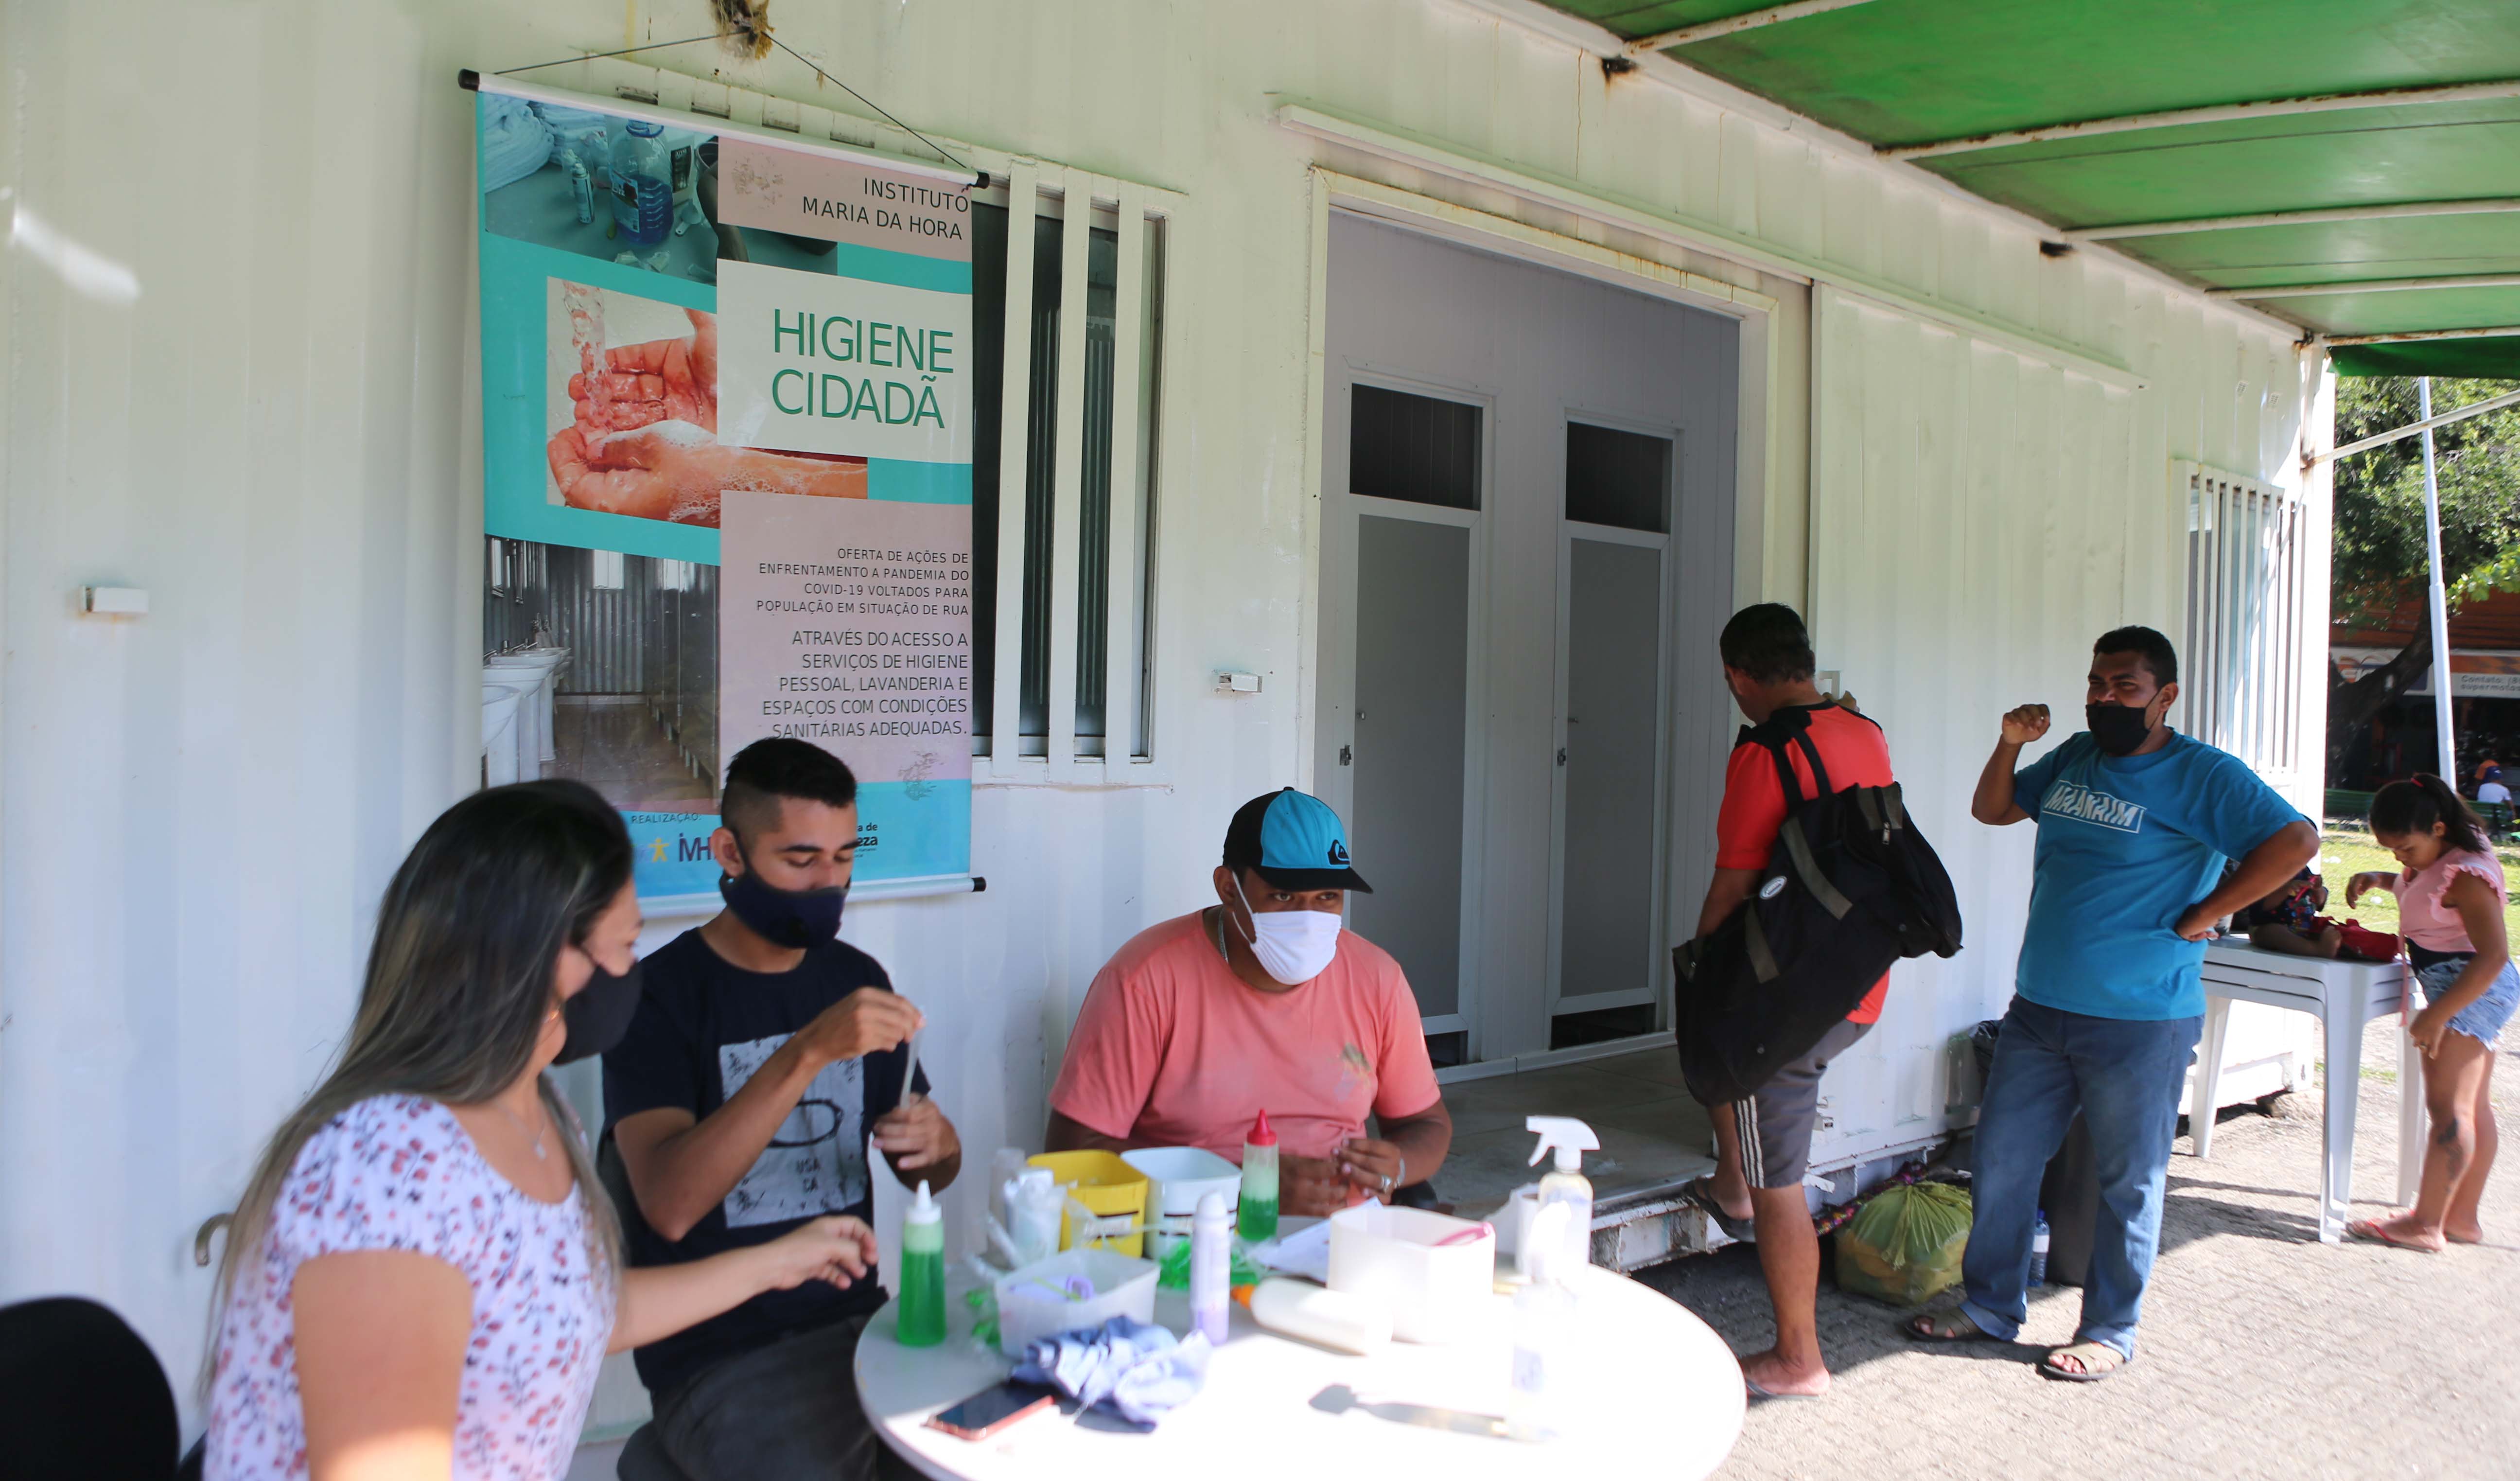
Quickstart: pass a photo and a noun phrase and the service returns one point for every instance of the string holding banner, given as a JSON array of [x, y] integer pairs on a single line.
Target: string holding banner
[[755, 51]]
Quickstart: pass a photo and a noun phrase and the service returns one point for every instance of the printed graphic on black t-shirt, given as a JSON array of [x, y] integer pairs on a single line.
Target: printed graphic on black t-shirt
[[816, 1161], [704, 1029]]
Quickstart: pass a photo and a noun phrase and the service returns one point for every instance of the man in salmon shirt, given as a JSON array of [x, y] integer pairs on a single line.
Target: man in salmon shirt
[[1763, 1145], [1261, 1001]]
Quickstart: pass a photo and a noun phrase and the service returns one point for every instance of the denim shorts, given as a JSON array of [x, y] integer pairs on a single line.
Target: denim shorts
[[2482, 1019]]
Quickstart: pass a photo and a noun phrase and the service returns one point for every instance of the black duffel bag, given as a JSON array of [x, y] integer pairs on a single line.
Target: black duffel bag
[[1849, 887]]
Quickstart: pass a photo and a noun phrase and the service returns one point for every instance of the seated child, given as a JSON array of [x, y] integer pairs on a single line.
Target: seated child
[[2288, 921]]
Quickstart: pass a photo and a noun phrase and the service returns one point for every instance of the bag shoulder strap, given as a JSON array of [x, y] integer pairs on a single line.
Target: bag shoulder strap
[[1785, 729]]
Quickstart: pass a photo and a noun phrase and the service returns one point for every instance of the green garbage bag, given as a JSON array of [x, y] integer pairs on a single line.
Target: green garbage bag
[[1905, 1245]]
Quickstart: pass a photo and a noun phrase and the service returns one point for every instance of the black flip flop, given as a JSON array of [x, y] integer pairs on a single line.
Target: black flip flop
[[1701, 1193]]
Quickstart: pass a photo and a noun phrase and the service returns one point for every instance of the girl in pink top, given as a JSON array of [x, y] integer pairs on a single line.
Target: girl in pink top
[[2450, 909]]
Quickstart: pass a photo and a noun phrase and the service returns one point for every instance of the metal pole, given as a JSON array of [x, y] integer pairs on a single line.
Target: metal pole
[[2394, 433], [2447, 769]]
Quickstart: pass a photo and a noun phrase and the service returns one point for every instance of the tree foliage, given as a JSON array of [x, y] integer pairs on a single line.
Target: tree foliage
[[2378, 547], [2379, 542]]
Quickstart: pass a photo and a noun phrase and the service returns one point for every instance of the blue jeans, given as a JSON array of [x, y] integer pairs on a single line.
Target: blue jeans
[[2125, 1075]]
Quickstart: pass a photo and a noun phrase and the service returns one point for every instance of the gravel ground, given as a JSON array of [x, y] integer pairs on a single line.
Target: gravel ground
[[2264, 1353]]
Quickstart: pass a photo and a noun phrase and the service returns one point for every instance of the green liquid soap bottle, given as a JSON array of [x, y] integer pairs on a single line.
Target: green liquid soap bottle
[[1257, 1219], [921, 1320]]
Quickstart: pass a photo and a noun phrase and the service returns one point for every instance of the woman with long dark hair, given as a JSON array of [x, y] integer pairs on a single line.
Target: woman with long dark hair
[[423, 1274], [2450, 898]]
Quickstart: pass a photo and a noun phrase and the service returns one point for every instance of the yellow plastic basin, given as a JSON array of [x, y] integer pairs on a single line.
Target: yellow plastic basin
[[1108, 1188]]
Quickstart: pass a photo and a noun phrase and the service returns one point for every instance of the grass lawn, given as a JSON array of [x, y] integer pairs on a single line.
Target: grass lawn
[[2347, 849]]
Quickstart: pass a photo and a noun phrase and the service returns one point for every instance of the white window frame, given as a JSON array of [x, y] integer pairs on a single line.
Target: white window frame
[[1036, 189], [2249, 592]]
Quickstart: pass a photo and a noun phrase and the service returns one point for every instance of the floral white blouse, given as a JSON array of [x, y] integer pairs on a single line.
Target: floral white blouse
[[400, 1173]]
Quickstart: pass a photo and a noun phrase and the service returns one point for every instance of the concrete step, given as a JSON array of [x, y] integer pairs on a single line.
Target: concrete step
[[1648, 1225]]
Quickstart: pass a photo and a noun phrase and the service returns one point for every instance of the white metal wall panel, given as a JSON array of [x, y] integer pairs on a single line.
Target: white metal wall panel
[[197, 810], [202, 805], [1971, 519]]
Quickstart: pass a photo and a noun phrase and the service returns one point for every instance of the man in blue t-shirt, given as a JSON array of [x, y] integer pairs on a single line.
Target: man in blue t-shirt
[[2135, 824]]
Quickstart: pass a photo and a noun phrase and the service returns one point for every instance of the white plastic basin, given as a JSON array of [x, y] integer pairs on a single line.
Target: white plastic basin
[[1122, 1287], [1177, 1176]]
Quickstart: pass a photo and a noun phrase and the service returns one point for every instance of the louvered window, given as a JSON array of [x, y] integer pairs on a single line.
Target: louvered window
[[2240, 670], [1069, 335]]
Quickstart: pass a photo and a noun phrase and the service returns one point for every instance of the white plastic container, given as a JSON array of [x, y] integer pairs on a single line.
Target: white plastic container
[[1177, 1177], [1399, 1257], [1350, 1323], [1122, 1287], [1211, 1268]]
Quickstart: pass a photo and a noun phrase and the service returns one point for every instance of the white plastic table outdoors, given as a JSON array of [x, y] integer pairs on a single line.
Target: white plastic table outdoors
[[1654, 1386], [2345, 995]]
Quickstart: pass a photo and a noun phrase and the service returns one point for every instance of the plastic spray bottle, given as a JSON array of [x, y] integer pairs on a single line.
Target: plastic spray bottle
[[1558, 1243], [1211, 1243], [1544, 1318], [1565, 1186], [922, 1321], [1258, 1219]]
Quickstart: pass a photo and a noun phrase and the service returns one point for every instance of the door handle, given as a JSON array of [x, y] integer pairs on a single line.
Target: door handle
[[1562, 755], [1346, 757]]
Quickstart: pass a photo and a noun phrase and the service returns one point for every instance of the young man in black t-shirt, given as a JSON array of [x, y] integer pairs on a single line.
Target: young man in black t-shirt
[[765, 1056]]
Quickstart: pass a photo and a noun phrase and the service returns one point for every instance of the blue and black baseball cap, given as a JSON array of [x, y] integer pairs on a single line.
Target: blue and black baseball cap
[[1294, 840]]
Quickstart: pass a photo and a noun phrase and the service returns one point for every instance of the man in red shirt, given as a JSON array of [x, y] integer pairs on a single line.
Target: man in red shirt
[[1763, 1145]]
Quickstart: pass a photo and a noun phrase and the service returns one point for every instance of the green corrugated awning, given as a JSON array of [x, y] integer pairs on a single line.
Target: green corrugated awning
[[1898, 73]]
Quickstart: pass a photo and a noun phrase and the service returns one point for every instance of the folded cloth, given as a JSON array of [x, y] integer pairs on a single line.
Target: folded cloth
[[1132, 1369], [515, 141]]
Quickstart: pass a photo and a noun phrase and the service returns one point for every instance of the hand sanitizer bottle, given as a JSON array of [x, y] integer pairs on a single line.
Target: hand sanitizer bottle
[[921, 1321], [1563, 1187], [1258, 1214]]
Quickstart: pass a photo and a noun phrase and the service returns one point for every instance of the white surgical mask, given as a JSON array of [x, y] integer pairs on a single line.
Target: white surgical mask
[[1294, 946]]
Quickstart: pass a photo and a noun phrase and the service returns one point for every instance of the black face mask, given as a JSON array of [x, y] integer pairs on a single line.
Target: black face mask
[[599, 1014], [2116, 729], [792, 918]]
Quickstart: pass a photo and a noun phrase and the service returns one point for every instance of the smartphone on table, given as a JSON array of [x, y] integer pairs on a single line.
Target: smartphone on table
[[992, 1409]]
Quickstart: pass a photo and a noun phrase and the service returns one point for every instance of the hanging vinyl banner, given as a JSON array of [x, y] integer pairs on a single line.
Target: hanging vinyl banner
[[727, 412]]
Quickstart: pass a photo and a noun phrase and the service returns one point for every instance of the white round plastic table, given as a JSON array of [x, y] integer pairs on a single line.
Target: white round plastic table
[[1648, 1384]]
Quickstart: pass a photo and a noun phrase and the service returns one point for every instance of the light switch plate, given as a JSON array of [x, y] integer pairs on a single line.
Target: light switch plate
[[114, 601]]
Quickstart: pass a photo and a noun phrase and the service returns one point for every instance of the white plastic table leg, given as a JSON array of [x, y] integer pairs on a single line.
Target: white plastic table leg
[[2410, 1118], [2205, 1098], [2341, 1099]]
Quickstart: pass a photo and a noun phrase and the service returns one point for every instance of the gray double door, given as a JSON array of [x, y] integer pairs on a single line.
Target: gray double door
[[1526, 555]]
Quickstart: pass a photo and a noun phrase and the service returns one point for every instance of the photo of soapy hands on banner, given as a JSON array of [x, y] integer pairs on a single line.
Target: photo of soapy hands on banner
[[631, 402], [631, 380]]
